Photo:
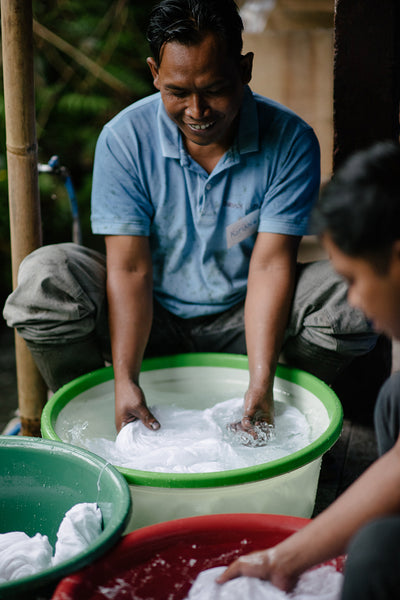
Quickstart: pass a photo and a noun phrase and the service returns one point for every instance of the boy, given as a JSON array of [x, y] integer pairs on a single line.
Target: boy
[[358, 216]]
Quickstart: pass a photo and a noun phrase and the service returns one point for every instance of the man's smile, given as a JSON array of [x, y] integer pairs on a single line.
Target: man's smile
[[202, 127]]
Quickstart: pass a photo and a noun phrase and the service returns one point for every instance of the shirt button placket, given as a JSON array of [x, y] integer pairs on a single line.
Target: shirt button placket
[[205, 208]]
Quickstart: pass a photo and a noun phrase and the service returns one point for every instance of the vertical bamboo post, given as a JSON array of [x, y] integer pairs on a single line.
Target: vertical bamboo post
[[25, 221]]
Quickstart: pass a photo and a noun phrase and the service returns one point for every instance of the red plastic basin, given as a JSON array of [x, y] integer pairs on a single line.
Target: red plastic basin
[[162, 561]]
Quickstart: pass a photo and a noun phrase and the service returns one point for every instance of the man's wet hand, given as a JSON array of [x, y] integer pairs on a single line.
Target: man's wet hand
[[257, 424], [130, 405], [254, 434]]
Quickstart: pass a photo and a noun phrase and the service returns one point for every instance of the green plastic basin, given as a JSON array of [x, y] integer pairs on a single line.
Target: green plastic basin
[[39, 481], [283, 486]]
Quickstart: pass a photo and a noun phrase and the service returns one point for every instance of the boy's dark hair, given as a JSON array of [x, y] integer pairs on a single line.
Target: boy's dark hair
[[360, 207], [187, 21]]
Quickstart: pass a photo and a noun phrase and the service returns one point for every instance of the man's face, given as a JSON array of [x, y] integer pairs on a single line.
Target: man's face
[[376, 294], [202, 89]]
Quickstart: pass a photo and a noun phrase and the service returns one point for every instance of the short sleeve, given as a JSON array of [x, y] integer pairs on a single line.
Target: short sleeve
[[119, 204], [294, 189]]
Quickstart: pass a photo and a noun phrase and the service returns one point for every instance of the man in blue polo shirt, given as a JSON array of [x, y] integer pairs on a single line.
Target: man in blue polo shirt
[[203, 192]]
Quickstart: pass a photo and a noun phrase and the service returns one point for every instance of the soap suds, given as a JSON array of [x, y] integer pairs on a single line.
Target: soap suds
[[199, 441]]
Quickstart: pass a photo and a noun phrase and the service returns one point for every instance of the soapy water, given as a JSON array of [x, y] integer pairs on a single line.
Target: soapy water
[[198, 441]]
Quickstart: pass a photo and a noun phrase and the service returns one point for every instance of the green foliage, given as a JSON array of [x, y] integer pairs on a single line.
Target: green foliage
[[90, 62]]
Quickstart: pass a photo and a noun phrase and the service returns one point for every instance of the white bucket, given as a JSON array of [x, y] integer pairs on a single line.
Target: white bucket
[[286, 486]]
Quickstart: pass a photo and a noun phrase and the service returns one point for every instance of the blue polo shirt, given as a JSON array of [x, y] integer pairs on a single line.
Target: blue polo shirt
[[202, 227]]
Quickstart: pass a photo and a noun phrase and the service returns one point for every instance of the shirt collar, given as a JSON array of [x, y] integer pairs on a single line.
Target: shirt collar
[[248, 134], [247, 138]]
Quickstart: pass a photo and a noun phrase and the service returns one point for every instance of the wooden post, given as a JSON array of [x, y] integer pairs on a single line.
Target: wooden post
[[25, 221], [366, 75]]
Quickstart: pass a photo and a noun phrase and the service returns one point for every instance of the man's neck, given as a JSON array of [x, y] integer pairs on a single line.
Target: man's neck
[[209, 156], [206, 156]]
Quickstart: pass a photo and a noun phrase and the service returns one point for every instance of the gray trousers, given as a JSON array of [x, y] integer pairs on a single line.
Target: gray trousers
[[373, 562], [372, 569], [59, 307]]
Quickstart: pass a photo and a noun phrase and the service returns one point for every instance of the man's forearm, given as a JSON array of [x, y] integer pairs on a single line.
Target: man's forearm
[[266, 315], [270, 287], [130, 317], [129, 292]]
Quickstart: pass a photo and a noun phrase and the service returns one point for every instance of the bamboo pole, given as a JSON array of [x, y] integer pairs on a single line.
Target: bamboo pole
[[23, 189]]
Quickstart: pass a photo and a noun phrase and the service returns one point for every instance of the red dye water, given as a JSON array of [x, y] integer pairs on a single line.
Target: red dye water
[[162, 561]]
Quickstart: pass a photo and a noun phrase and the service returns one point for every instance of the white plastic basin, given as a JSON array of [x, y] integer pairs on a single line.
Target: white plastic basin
[[286, 486]]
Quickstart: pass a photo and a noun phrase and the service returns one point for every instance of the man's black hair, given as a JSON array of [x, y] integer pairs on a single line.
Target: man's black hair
[[360, 207], [187, 21]]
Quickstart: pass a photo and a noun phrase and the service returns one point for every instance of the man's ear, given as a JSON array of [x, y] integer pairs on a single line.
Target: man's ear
[[246, 67], [154, 71]]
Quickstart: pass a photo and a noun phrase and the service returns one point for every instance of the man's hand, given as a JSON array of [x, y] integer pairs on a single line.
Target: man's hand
[[261, 564], [258, 409], [130, 404], [258, 417]]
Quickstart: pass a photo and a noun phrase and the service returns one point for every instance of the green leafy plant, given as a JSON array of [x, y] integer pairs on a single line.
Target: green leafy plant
[[89, 63]]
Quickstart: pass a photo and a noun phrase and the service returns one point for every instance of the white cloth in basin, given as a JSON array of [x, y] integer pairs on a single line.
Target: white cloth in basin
[[324, 583]]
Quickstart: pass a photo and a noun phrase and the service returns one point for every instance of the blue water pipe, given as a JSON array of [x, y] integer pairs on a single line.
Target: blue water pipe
[[15, 429], [53, 167]]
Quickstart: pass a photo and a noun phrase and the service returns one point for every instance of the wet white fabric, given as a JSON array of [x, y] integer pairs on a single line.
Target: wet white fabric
[[24, 556], [199, 441], [79, 528], [324, 583]]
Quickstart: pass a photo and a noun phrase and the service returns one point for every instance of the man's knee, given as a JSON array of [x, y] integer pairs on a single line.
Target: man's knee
[[60, 292], [323, 327]]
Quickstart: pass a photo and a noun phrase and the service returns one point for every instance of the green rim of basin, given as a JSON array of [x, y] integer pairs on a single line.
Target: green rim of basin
[[221, 478]]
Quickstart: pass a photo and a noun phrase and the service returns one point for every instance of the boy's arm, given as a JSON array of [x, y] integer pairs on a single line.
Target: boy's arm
[[375, 494]]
